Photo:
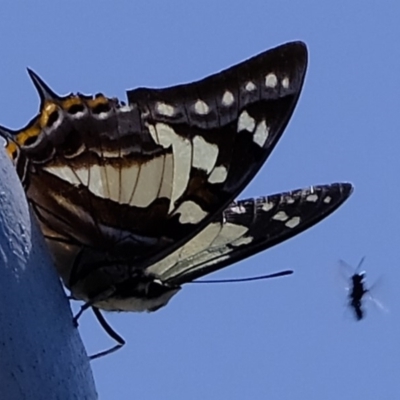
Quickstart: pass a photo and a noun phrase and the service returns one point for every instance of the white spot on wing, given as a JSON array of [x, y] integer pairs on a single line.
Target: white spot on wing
[[227, 99], [238, 209], [250, 86], [201, 242], [168, 177], [312, 198], [271, 80], [64, 173], [229, 233], [245, 122], [190, 213], [201, 108], [218, 175], [285, 83], [113, 183], [149, 182], [125, 108], [166, 137], [83, 175], [127, 182], [261, 134], [293, 222], [165, 109], [267, 206], [242, 241], [327, 199], [204, 154], [98, 182], [103, 115], [280, 216]]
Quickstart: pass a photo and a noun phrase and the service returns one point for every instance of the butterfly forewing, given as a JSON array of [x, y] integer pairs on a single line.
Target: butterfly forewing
[[247, 227], [142, 179]]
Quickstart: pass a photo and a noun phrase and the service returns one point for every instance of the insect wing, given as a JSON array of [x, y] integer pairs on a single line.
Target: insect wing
[[249, 226], [142, 179]]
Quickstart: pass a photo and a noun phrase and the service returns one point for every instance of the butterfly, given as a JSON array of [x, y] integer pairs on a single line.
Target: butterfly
[[136, 199]]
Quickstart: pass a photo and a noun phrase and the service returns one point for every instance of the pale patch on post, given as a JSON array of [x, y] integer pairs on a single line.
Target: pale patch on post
[[190, 213], [280, 216], [293, 222], [227, 99], [218, 175], [271, 80], [204, 154], [201, 108], [245, 122], [261, 134], [165, 109]]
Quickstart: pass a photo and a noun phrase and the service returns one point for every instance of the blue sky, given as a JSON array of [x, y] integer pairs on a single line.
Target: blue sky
[[289, 338]]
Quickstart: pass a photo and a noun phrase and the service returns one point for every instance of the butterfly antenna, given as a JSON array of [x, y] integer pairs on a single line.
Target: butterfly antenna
[[253, 278]]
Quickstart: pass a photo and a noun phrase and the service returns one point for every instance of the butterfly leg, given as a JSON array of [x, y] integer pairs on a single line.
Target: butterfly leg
[[120, 341], [102, 296]]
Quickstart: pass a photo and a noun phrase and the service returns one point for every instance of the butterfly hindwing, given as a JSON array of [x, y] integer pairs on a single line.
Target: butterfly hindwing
[[247, 227]]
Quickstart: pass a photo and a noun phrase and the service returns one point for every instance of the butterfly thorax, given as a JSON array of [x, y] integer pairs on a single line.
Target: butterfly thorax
[[114, 284]]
